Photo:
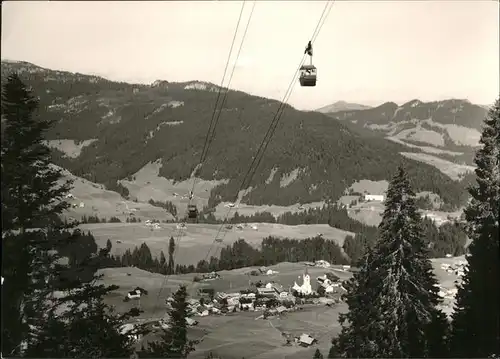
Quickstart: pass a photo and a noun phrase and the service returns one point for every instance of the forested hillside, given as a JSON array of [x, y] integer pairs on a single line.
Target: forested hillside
[[122, 127]]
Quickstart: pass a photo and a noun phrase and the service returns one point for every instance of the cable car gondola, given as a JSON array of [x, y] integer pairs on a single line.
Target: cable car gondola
[[307, 75], [192, 213], [308, 72]]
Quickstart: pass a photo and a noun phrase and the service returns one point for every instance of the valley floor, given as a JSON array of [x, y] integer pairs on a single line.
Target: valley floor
[[242, 334]]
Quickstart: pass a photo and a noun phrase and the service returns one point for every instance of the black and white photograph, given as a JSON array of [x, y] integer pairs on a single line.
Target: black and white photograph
[[257, 179]]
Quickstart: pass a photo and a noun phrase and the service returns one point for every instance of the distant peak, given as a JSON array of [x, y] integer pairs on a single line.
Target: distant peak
[[159, 83], [412, 103], [389, 104], [342, 106]]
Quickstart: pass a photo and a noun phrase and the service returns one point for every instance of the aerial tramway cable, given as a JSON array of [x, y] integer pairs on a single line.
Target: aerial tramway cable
[[213, 123], [274, 122], [215, 118]]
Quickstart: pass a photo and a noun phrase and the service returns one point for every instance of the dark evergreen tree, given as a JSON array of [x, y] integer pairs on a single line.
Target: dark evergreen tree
[[174, 342], [476, 320], [317, 354], [109, 246], [31, 198], [392, 300], [171, 251], [332, 353], [163, 261], [34, 322], [92, 331]]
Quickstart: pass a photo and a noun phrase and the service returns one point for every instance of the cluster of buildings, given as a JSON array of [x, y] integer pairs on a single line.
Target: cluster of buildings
[[456, 268], [153, 225], [271, 299]]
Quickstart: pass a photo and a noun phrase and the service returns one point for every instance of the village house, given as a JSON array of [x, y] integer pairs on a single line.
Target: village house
[[135, 294], [129, 330], [306, 340], [210, 276], [374, 197], [267, 292], [322, 263]]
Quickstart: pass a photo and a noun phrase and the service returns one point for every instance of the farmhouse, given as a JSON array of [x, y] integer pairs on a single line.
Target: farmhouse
[[374, 197], [130, 331], [267, 292], [306, 340], [135, 294], [322, 263], [210, 276]]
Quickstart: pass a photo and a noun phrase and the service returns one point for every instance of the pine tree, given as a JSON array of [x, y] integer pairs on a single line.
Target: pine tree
[[92, 331], [30, 192], [476, 320], [163, 261], [317, 354], [174, 342], [392, 300], [34, 322], [332, 353], [91, 328], [32, 199], [171, 251]]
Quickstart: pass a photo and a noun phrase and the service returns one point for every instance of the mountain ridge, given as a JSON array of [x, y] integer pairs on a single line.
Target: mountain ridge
[[450, 129], [125, 126], [342, 106]]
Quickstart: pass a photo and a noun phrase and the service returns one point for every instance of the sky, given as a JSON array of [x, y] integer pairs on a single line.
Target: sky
[[366, 52]]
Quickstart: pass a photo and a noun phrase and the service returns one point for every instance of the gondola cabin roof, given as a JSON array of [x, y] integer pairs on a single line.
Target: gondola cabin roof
[[308, 67]]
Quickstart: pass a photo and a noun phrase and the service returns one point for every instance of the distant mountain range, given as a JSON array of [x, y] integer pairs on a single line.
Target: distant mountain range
[[342, 106], [448, 129], [107, 131]]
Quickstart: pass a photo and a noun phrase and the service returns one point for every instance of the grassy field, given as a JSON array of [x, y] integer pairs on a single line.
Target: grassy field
[[99, 201], [197, 239], [427, 149], [242, 335], [69, 147], [450, 169], [146, 184]]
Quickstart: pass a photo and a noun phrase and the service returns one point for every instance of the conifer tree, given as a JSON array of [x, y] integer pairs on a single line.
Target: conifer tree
[[171, 251], [32, 199], [174, 342], [30, 192], [317, 354], [476, 320], [33, 320], [162, 264], [392, 300]]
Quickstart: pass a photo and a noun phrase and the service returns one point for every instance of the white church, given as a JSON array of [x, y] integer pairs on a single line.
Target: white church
[[305, 288]]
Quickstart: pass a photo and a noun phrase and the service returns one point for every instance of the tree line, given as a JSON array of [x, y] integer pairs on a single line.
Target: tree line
[[449, 238], [238, 255], [167, 205]]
